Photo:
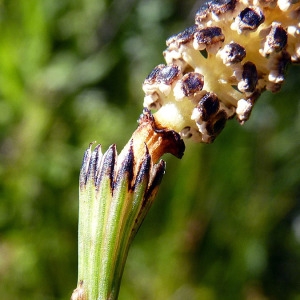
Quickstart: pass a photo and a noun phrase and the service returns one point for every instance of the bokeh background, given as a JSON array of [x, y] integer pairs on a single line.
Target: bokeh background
[[226, 222]]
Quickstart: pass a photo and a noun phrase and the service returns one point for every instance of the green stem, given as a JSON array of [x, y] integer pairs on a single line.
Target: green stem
[[115, 196]]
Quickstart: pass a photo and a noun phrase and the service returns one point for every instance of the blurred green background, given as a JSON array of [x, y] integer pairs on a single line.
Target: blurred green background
[[226, 222]]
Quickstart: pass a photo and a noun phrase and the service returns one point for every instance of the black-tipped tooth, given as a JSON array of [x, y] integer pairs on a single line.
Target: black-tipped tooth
[[126, 169], [157, 173], [107, 167], [90, 165], [144, 171], [95, 162], [84, 171]]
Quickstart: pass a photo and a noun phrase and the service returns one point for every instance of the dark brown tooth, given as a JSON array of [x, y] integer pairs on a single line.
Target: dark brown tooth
[[249, 19]]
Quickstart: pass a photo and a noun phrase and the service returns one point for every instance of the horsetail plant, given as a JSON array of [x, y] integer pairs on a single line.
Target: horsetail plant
[[215, 70]]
